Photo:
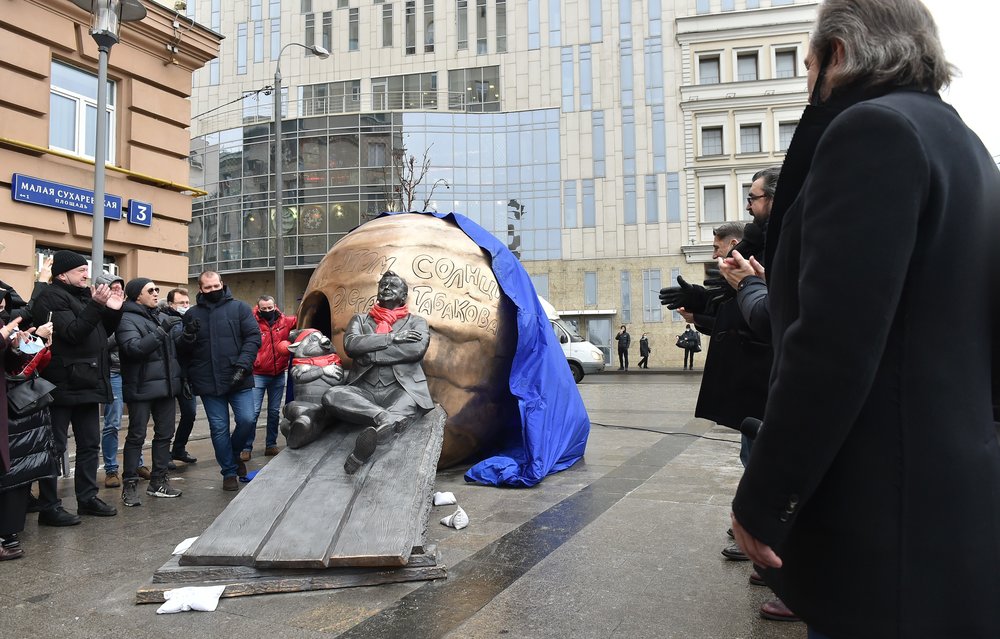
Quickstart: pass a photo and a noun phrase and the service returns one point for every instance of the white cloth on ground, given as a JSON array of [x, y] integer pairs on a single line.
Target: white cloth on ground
[[203, 598]]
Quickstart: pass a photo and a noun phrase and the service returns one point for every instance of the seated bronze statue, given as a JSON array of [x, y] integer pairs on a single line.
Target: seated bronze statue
[[386, 389]]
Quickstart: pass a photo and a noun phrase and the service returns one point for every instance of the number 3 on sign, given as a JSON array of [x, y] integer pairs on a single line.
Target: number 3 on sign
[[140, 213]]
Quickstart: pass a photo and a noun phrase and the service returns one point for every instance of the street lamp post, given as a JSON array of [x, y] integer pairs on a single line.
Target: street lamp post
[[279, 248], [108, 15]]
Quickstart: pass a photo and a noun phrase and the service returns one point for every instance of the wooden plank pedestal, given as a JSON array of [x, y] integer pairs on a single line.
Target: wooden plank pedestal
[[303, 523]]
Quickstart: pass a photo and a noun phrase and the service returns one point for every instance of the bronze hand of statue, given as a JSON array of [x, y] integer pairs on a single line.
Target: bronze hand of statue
[[407, 336]]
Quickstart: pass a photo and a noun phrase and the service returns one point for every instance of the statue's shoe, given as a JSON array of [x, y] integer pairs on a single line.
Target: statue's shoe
[[364, 448], [302, 431]]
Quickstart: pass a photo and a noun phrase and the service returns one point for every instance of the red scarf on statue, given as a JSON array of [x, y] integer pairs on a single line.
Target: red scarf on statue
[[386, 317]]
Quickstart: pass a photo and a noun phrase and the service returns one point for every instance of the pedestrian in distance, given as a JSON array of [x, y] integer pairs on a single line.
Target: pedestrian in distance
[[644, 351], [624, 341], [690, 341]]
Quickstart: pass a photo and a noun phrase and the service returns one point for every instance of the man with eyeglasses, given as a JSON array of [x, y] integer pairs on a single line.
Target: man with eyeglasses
[[178, 303], [151, 378]]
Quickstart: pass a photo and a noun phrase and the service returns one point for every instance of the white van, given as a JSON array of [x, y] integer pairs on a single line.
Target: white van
[[582, 356]]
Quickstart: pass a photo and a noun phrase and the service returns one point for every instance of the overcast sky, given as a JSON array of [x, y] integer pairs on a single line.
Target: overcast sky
[[969, 32]]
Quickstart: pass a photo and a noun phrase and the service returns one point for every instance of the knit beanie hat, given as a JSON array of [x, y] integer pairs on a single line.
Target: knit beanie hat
[[134, 287], [64, 261]]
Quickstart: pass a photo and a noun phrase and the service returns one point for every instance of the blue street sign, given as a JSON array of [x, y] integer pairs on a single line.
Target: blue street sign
[[140, 213], [54, 195]]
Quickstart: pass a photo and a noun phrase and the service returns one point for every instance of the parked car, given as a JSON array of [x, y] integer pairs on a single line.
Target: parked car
[[582, 356]]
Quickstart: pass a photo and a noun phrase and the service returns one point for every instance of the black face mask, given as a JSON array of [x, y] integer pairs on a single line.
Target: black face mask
[[214, 297], [269, 316]]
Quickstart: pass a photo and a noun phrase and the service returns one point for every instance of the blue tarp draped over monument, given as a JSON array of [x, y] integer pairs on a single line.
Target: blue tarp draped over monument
[[554, 424]]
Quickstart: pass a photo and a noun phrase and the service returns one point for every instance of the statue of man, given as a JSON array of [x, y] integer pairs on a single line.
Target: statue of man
[[386, 388]]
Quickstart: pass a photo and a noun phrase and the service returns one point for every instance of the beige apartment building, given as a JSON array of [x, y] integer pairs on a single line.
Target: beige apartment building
[[601, 140], [48, 106]]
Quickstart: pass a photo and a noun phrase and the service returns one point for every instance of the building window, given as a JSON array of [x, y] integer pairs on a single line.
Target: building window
[[255, 9], [273, 9], [659, 131], [331, 97], [626, 73], [541, 284], [746, 67], [258, 41], [476, 89], [428, 26], [569, 204], [590, 288], [410, 26], [73, 112], [597, 132], [708, 69], [785, 132], [715, 204], [462, 23], [352, 30], [213, 72], [501, 26], [216, 15], [652, 201], [555, 23], [534, 25], [753, 4], [703, 6], [378, 154], [589, 205], [626, 297], [387, 25], [651, 307], [241, 49], [310, 29], [628, 200], [596, 30], [673, 197], [750, 138], [729, 5], [275, 38], [306, 6], [586, 79], [785, 63], [327, 42], [341, 4], [567, 80], [711, 140], [781, 3], [480, 27]]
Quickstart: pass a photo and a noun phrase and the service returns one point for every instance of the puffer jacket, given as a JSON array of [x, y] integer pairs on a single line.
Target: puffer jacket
[[272, 358], [80, 366], [32, 449], [228, 338], [150, 369]]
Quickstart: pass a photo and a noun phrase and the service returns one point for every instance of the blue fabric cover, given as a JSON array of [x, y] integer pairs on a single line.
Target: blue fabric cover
[[552, 435]]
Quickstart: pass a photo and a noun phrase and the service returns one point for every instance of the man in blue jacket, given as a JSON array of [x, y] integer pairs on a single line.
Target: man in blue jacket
[[221, 360]]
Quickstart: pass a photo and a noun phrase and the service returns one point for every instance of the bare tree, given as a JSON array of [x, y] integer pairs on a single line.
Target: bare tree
[[405, 176]]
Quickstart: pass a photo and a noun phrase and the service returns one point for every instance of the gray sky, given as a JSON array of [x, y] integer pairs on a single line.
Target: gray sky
[[968, 30]]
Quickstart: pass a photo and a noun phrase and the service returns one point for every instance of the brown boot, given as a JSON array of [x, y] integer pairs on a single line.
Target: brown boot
[[776, 610], [271, 451], [112, 479], [230, 483]]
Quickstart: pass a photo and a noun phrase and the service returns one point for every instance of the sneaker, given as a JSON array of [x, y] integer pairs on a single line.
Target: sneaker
[[230, 483], [245, 456], [96, 508], [271, 451], [111, 479], [183, 456], [143, 471], [162, 488], [57, 516], [130, 493]]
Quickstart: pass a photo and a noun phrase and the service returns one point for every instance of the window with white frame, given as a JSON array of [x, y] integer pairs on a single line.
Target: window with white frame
[[785, 63], [714, 207], [652, 310], [750, 138], [73, 112], [387, 25], [785, 132], [353, 28], [746, 66], [711, 140], [708, 69], [590, 288]]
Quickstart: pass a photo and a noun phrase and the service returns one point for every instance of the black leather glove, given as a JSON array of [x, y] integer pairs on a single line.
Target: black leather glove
[[239, 375], [192, 327], [162, 334], [693, 298]]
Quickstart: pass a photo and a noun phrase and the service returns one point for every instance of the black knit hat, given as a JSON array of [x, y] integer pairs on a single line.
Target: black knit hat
[[134, 287], [64, 261]]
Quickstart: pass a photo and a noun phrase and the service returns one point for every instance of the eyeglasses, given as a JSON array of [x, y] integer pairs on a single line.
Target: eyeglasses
[[153, 289], [752, 198]]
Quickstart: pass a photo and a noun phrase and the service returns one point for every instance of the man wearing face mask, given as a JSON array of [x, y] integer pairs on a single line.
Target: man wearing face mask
[[220, 367], [178, 303], [82, 317], [269, 370]]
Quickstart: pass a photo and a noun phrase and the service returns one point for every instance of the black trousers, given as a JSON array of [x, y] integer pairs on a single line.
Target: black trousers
[[163, 412], [87, 435], [644, 362], [13, 508], [688, 358], [185, 424], [623, 358]]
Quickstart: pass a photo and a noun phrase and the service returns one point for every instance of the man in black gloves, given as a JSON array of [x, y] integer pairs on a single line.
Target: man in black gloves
[[221, 360]]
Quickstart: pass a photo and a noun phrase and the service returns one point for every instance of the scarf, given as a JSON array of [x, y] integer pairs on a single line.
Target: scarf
[[319, 360], [386, 317]]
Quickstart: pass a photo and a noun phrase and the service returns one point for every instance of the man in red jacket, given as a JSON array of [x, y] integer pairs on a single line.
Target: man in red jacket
[[269, 369]]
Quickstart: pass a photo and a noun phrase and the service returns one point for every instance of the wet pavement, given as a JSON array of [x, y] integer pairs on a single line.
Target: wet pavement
[[624, 544]]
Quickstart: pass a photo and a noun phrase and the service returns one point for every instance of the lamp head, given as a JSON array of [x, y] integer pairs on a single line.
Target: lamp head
[[108, 16], [320, 51]]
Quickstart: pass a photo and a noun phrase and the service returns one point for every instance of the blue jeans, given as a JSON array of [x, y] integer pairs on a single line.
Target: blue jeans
[[112, 424], [275, 387], [228, 446]]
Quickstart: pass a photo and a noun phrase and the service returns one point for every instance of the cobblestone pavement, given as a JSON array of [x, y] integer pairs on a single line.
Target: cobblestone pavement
[[624, 544]]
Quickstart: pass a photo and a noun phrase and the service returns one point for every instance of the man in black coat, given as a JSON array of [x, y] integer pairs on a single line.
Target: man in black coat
[[82, 319], [178, 303], [220, 369], [879, 444], [151, 378]]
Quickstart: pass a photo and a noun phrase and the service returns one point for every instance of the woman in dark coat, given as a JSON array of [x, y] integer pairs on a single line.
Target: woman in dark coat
[[871, 496]]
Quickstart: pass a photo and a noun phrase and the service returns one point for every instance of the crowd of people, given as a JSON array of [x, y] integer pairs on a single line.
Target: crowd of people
[[868, 501], [73, 348]]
